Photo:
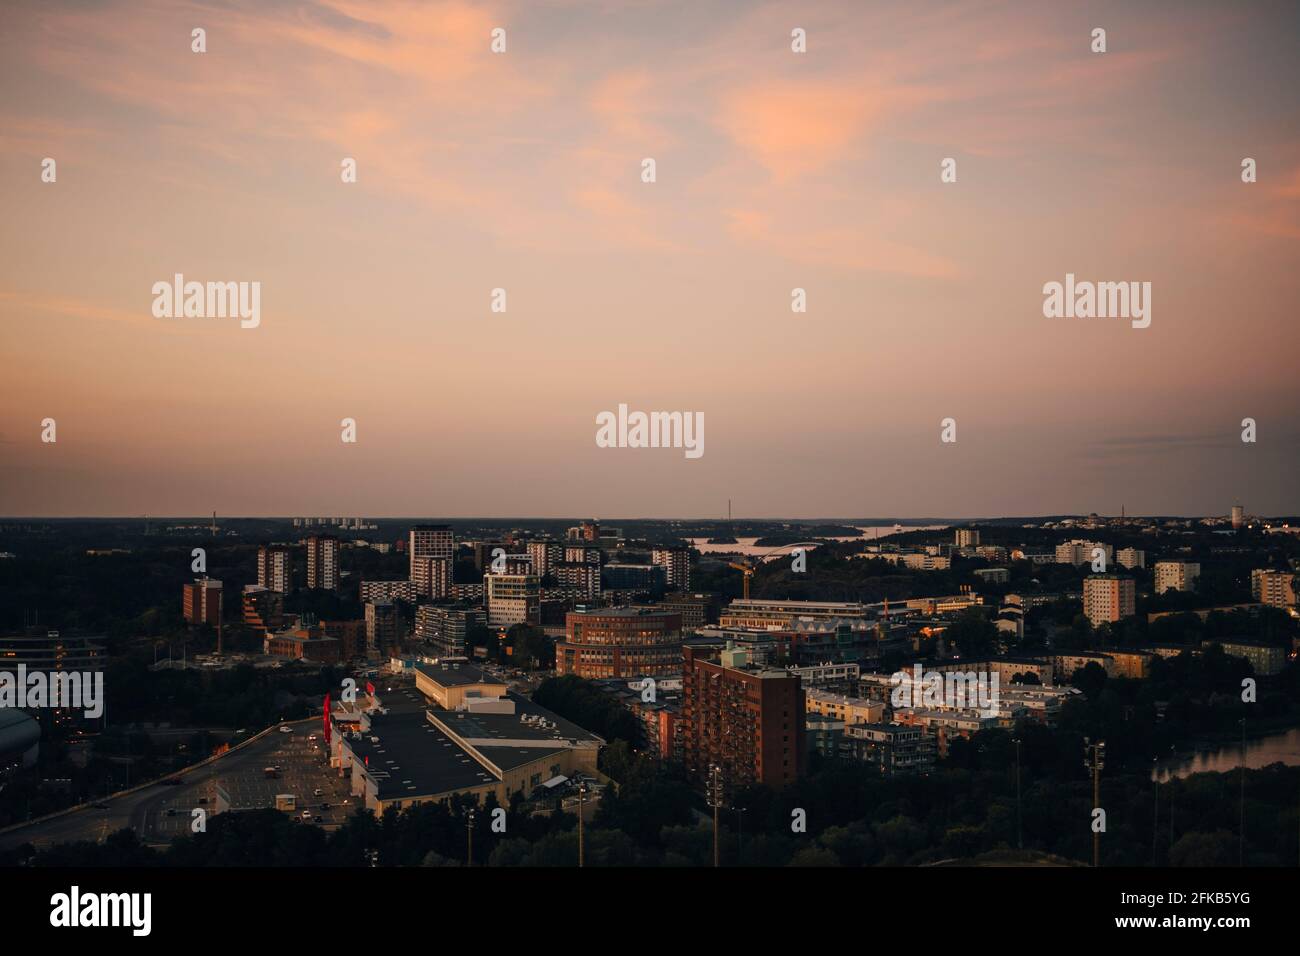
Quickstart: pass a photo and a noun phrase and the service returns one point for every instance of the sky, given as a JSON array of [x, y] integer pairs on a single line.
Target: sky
[[523, 171]]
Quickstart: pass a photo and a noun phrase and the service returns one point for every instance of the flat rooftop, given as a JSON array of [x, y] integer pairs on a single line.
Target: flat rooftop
[[413, 758], [456, 674]]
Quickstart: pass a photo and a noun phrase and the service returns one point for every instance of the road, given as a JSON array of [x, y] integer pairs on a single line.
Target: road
[[160, 812]]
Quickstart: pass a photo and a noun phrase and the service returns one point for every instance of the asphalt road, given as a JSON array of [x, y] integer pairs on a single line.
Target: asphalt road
[[160, 812]]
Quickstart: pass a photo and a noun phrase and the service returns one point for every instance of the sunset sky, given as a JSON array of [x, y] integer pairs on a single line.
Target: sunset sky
[[775, 170]]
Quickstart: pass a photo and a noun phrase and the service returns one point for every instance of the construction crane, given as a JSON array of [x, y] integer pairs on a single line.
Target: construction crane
[[748, 566], [748, 571]]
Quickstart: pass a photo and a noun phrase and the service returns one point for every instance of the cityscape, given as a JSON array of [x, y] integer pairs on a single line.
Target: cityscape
[[626, 436], [648, 693]]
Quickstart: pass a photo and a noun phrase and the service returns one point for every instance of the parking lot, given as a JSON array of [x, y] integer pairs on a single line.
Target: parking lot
[[303, 770]]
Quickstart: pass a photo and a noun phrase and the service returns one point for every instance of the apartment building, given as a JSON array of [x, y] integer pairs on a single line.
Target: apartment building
[[745, 719], [428, 541], [1276, 588], [275, 567], [1176, 575], [1108, 598], [323, 562]]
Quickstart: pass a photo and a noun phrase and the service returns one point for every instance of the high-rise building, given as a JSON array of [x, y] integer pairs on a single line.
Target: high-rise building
[[1277, 588], [545, 555], [620, 642], [1176, 575], [676, 563], [1238, 516], [323, 562], [583, 554], [746, 720], [1108, 598], [381, 627], [576, 576], [429, 541], [446, 628], [967, 537], [275, 568], [513, 599], [432, 577]]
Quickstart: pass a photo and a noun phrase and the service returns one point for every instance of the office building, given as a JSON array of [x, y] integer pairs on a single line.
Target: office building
[[513, 599], [753, 612], [620, 642], [446, 629], [307, 643]]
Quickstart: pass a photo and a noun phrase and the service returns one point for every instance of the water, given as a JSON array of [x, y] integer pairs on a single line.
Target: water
[[1283, 747], [746, 546]]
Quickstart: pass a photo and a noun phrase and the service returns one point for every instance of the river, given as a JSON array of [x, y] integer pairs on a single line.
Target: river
[[1283, 747], [746, 546]]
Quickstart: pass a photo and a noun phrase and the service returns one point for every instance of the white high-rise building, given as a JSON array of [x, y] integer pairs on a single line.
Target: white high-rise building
[[275, 568], [432, 577], [676, 563], [1238, 516], [323, 562]]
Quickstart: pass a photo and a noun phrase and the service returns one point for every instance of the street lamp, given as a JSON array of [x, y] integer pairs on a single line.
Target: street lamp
[[740, 832], [582, 799], [469, 836], [1020, 837]]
